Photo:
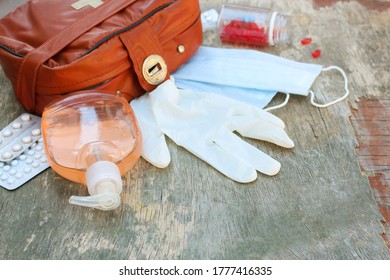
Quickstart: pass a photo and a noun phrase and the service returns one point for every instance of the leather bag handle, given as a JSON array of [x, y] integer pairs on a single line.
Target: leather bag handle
[[29, 68]]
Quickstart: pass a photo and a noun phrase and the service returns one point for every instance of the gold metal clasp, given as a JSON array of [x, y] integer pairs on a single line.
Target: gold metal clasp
[[83, 3], [154, 69]]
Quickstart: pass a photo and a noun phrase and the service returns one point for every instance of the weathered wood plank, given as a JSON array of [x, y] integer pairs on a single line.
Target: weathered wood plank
[[372, 127], [319, 206]]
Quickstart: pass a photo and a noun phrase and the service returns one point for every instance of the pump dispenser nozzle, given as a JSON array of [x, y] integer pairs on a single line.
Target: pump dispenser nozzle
[[104, 185]]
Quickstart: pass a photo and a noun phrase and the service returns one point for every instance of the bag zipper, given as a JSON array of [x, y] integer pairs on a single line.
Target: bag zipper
[[98, 44], [7, 49]]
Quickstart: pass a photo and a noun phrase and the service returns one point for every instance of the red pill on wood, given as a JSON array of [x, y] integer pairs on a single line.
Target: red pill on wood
[[316, 53], [306, 41]]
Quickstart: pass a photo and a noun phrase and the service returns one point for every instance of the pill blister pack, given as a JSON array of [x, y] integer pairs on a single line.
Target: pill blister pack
[[18, 136], [22, 154]]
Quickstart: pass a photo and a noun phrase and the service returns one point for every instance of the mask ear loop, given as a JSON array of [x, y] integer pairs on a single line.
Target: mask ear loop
[[280, 105], [312, 95]]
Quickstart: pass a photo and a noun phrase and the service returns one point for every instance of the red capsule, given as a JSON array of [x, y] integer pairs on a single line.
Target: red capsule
[[306, 41], [316, 53], [239, 31]]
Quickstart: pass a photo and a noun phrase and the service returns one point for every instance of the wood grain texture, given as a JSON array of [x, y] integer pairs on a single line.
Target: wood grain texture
[[369, 4], [319, 206], [372, 126]]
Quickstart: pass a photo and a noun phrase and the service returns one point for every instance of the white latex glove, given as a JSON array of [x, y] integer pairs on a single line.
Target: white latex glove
[[203, 123]]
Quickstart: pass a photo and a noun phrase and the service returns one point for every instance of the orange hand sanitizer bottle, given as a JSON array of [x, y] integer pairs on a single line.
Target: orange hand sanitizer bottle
[[92, 138]]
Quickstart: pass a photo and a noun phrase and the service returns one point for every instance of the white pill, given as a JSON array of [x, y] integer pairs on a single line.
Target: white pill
[[6, 168], [27, 139], [29, 161], [4, 177], [6, 155], [35, 164], [16, 125], [14, 162], [36, 132], [27, 170], [7, 133], [25, 117], [22, 157], [11, 181], [18, 175], [12, 172], [16, 148]]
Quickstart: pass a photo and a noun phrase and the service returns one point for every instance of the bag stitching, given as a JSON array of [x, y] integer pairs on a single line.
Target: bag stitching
[[76, 83]]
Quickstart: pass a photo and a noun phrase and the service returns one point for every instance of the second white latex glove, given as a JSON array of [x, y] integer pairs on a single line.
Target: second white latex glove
[[203, 123]]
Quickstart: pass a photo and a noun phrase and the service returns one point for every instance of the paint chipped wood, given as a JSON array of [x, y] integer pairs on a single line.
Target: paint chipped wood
[[319, 206], [371, 121]]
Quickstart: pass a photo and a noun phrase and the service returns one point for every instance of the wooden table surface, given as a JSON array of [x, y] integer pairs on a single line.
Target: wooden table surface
[[320, 206]]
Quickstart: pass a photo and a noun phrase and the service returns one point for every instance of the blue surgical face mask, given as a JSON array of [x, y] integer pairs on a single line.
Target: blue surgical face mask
[[250, 75], [253, 96]]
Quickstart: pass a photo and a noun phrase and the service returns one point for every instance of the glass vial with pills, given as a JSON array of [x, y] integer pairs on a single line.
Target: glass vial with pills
[[252, 26]]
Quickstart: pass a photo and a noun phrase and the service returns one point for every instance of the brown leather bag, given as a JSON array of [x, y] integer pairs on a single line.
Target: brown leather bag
[[50, 48]]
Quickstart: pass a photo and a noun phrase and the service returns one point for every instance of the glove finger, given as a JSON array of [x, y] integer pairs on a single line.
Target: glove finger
[[256, 113], [154, 146], [260, 129], [156, 152], [262, 162], [248, 120], [223, 161]]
